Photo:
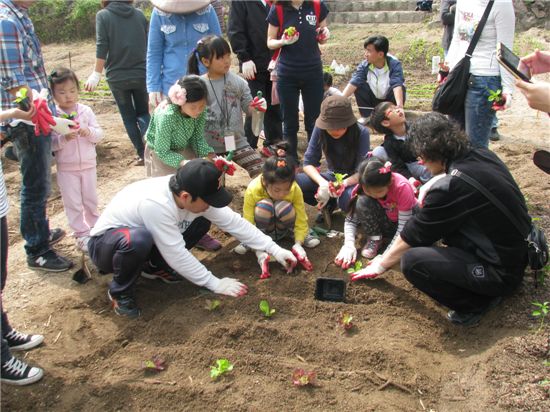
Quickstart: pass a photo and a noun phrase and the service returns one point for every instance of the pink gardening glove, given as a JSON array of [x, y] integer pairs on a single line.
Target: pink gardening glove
[[301, 257], [373, 270]]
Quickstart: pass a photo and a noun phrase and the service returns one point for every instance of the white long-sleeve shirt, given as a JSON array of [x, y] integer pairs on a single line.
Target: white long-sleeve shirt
[[150, 204], [500, 27]]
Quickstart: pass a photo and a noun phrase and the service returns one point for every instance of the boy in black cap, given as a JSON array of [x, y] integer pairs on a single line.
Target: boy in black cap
[[150, 225]]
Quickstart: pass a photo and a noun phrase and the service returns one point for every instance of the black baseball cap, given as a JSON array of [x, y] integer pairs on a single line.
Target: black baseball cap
[[201, 178]]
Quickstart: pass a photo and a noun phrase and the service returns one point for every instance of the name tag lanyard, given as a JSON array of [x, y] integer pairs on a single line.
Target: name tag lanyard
[[229, 138]]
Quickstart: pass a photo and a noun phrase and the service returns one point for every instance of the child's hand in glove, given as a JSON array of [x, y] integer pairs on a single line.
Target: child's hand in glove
[[224, 165], [373, 270], [301, 256], [259, 104], [323, 34], [347, 255], [323, 194], [285, 258], [231, 287], [263, 261]]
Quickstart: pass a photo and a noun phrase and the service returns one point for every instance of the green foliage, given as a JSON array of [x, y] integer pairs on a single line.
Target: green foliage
[[265, 309], [340, 178], [420, 53], [222, 366], [541, 312], [356, 267], [494, 95], [212, 305]]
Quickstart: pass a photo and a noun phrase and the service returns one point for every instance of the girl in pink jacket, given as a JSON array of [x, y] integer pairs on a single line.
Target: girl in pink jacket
[[75, 156]]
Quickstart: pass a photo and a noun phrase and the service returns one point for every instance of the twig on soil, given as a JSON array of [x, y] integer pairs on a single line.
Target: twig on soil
[[422, 404], [357, 388], [390, 382], [190, 379], [48, 322], [159, 382], [301, 359], [57, 337]]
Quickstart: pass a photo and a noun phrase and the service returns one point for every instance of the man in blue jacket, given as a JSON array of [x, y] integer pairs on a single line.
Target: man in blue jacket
[[378, 78]]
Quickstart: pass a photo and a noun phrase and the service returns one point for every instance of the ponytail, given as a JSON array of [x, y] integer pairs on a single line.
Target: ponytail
[[208, 48]]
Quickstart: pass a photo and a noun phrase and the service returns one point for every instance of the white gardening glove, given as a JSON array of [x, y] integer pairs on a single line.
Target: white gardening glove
[[231, 287], [286, 41], [323, 34], [155, 98], [301, 257], [64, 126], [249, 70], [323, 194], [347, 255], [92, 81], [373, 270], [285, 258]]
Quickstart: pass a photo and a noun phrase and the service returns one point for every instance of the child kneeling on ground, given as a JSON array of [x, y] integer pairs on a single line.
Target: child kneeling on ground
[[383, 205], [274, 203]]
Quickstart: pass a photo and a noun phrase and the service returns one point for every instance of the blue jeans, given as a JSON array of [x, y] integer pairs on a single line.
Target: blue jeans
[[309, 188], [478, 116], [35, 156], [133, 104], [289, 86]]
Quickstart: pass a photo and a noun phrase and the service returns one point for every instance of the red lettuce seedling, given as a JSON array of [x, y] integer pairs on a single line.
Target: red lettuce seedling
[[212, 304], [346, 321], [155, 364], [266, 310], [301, 377], [356, 267], [222, 366]]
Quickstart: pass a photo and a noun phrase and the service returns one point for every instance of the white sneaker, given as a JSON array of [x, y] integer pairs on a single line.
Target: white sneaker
[[311, 241], [241, 249], [82, 243]]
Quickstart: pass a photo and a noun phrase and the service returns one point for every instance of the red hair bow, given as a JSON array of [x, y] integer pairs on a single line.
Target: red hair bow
[[385, 169]]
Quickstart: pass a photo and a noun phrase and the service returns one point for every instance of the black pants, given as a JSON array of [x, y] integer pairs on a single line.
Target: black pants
[[457, 279], [273, 123], [6, 328], [366, 98], [123, 251]]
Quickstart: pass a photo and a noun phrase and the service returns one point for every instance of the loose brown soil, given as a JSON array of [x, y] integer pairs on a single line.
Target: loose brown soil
[[402, 355]]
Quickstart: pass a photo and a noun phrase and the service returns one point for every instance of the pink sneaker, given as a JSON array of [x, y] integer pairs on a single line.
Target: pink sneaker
[[370, 250], [207, 242]]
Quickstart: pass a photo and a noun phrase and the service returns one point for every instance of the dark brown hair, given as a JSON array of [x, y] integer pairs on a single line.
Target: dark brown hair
[[105, 3], [61, 75]]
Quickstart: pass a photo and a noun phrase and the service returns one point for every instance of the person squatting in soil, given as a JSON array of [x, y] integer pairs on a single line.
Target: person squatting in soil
[[150, 226], [274, 203], [228, 97], [344, 143], [121, 48], [22, 67], [13, 370], [378, 78], [485, 257], [176, 134], [389, 120], [299, 66], [247, 33], [174, 30], [383, 205], [75, 156]]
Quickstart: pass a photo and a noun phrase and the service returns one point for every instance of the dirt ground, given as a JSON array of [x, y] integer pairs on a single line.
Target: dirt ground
[[402, 355]]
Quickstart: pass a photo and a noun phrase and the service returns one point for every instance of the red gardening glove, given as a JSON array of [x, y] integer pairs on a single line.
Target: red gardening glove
[[301, 257], [336, 191], [503, 104], [224, 165], [259, 103], [43, 119], [371, 271], [263, 260]]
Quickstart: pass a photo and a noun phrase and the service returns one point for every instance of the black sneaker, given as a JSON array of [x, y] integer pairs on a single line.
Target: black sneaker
[[20, 341], [56, 235], [17, 372], [49, 261], [151, 271], [124, 305], [494, 136], [472, 318]]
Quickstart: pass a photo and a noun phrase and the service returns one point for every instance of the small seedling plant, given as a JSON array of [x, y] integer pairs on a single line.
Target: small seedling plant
[[495, 96], [290, 31], [266, 309], [22, 99], [339, 179], [541, 312], [346, 321], [155, 364], [212, 305], [222, 367], [356, 267], [301, 377]]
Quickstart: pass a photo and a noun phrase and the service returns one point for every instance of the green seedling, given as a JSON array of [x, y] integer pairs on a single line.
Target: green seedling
[[265, 309], [495, 96], [301, 377], [222, 366], [356, 267], [22, 99], [346, 321], [70, 116], [290, 31], [155, 364], [339, 178], [212, 305], [541, 312]]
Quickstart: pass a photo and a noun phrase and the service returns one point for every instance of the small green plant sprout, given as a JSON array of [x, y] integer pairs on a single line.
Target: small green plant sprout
[[541, 312], [22, 99], [339, 178], [356, 267], [301, 377], [265, 309], [70, 116], [495, 96], [222, 366], [346, 321], [155, 364], [290, 31], [212, 305]]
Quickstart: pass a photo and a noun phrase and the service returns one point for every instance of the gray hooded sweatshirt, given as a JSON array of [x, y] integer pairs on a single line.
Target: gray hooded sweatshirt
[[121, 39]]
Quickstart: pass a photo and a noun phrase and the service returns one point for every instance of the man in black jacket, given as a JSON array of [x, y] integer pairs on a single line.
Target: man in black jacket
[[486, 255], [247, 31]]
